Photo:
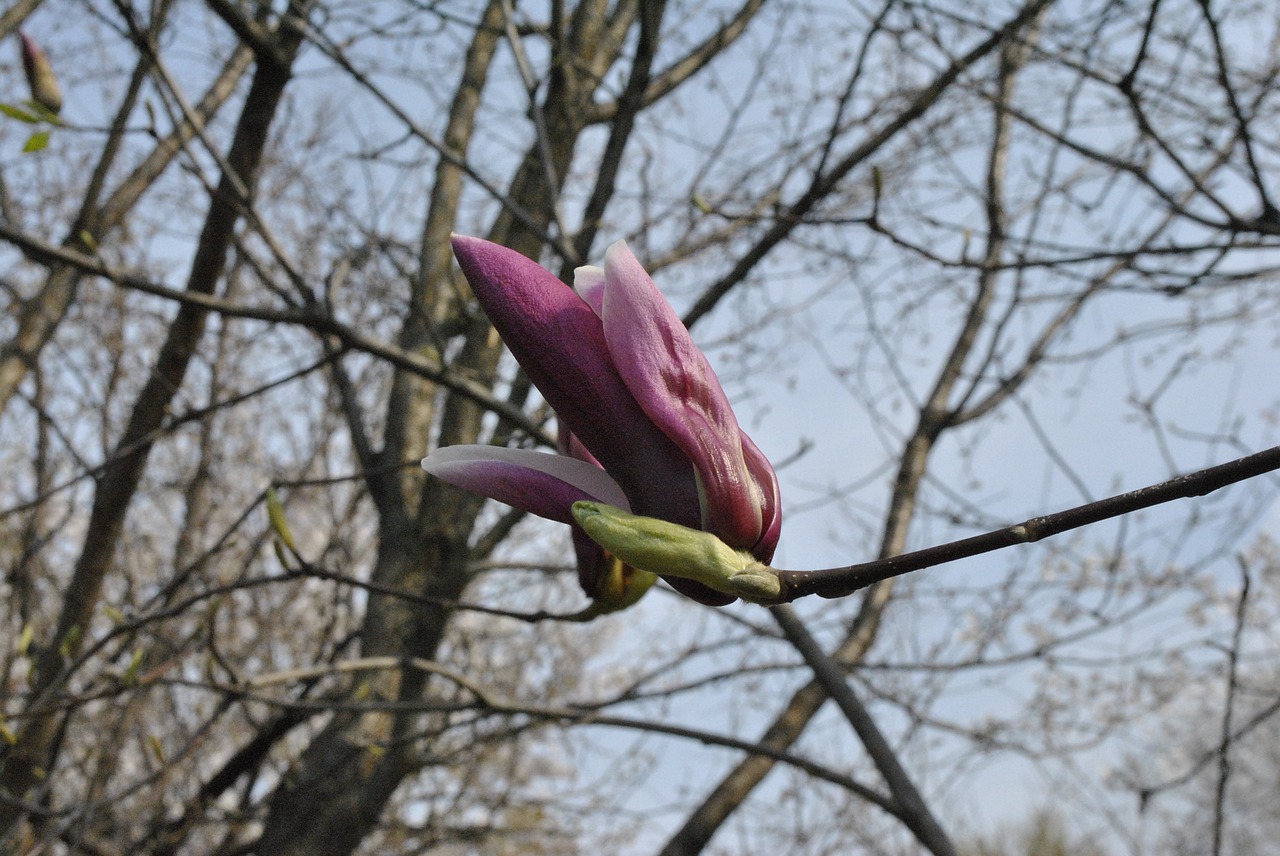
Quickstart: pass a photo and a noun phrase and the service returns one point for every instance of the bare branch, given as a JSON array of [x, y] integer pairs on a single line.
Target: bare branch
[[840, 582], [824, 184], [1228, 708], [913, 810]]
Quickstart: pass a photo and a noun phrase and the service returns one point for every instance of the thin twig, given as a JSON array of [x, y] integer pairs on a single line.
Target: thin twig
[[311, 317], [840, 582], [1224, 746], [539, 118]]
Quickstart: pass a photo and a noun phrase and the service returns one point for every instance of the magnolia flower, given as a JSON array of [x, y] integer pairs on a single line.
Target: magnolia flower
[[645, 425], [40, 77]]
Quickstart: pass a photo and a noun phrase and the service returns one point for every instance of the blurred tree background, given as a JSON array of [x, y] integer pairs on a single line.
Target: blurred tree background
[[957, 264]]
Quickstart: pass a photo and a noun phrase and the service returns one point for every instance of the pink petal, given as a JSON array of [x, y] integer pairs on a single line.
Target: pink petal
[[674, 383], [771, 510], [567, 444]]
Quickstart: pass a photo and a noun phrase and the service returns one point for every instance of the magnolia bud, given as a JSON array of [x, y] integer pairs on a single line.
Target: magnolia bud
[[40, 77]]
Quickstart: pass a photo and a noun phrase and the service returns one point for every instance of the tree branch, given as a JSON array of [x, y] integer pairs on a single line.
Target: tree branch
[[840, 582], [825, 184], [312, 318], [913, 811]]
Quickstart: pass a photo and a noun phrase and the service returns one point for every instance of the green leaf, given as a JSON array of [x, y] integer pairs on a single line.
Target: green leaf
[[70, 642], [43, 113], [18, 113], [621, 586], [130, 676], [275, 514], [36, 142], [281, 554]]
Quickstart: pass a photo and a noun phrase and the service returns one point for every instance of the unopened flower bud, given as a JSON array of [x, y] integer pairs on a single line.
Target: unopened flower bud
[[40, 77], [669, 549]]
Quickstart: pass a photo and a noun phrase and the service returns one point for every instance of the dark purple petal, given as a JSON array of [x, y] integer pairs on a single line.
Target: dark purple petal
[[674, 383], [567, 444], [536, 482], [593, 562]]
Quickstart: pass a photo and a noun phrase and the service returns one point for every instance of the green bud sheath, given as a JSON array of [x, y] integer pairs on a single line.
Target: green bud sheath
[[666, 548]]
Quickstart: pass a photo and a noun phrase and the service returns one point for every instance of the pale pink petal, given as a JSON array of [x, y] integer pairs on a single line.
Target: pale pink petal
[[588, 281], [537, 482]]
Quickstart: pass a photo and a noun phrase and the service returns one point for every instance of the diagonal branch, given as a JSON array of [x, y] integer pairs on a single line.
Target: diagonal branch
[[1233, 677], [312, 318], [630, 104], [913, 811], [823, 185], [683, 69], [840, 582]]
